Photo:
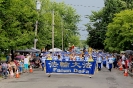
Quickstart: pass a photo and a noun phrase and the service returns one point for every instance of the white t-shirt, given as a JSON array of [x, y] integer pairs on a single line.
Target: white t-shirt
[[26, 60], [110, 60], [123, 57]]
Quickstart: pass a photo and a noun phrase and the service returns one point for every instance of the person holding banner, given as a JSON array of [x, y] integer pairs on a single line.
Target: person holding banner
[[86, 57], [55, 57], [90, 60], [43, 58], [59, 58], [67, 58], [48, 65], [49, 57]]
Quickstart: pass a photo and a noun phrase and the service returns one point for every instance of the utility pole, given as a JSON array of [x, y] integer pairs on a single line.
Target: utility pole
[[53, 30], [35, 34], [38, 7], [62, 34]]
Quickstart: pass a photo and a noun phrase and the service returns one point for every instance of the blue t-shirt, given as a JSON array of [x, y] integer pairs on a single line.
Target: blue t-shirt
[[77, 58], [67, 58], [43, 59], [99, 59], [86, 58], [55, 58], [21, 64], [104, 61], [37, 54]]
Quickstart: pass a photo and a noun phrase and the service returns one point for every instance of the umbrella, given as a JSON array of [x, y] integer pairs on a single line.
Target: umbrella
[[122, 52], [37, 50], [20, 57], [27, 50], [55, 50], [129, 52], [116, 54]]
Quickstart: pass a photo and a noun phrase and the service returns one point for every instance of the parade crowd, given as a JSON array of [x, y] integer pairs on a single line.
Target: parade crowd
[[22, 65]]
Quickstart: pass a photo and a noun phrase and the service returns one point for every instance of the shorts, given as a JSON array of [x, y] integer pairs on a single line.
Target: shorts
[[26, 66]]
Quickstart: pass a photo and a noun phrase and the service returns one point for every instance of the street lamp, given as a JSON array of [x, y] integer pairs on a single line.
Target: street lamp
[[38, 7]]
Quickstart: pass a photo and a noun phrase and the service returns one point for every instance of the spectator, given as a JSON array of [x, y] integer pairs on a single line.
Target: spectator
[[13, 66], [4, 68], [114, 61], [26, 63], [123, 57], [132, 65], [20, 66], [0, 69]]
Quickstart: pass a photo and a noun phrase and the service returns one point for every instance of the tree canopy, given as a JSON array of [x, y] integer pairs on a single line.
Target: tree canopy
[[66, 18], [18, 19], [120, 32], [101, 19]]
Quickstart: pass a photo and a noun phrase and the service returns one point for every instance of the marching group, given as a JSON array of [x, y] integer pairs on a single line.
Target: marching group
[[9, 68], [103, 59]]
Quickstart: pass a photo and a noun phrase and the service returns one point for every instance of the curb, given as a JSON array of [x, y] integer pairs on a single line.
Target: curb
[[1, 78], [22, 75], [131, 74]]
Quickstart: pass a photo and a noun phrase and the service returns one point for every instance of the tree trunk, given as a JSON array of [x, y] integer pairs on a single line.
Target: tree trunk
[[12, 56]]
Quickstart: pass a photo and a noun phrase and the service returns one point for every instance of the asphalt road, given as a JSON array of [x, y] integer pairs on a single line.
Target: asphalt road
[[38, 79]]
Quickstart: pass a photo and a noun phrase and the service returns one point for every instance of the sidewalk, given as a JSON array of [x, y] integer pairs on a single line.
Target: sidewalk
[[21, 76], [131, 74], [1, 78]]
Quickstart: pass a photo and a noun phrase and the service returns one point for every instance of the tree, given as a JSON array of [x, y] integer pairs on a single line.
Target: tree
[[120, 32], [95, 39], [102, 18], [129, 3], [17, 19], [65, 18], [17, 23]]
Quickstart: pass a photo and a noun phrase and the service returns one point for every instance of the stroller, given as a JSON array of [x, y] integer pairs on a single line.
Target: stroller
[[4, 70], [35, 63]]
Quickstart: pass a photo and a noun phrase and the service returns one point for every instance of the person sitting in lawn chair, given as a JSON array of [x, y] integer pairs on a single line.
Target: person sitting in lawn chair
[[4, 68]]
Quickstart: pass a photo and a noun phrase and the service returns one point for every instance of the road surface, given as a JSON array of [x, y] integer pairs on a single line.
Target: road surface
[[38, 79]]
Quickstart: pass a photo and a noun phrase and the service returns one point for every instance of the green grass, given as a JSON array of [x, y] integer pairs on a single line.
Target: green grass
[[2, 58]]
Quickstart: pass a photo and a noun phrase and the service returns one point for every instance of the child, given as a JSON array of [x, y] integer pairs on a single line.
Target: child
[[11, 73], [20, 66]]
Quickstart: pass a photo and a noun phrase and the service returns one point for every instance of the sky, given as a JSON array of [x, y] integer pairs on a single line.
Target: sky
[[84, 7]]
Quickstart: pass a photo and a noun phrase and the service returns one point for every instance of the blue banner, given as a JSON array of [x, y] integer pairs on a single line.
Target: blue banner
[[77, 67]]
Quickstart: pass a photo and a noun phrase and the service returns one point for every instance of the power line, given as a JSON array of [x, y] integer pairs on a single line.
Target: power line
[[85, 6]]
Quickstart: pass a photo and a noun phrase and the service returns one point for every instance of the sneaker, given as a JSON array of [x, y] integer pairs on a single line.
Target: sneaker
[[49, 75]]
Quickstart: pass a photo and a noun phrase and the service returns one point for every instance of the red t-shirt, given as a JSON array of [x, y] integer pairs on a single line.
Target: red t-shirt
[[126, 65], [16, 62]]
